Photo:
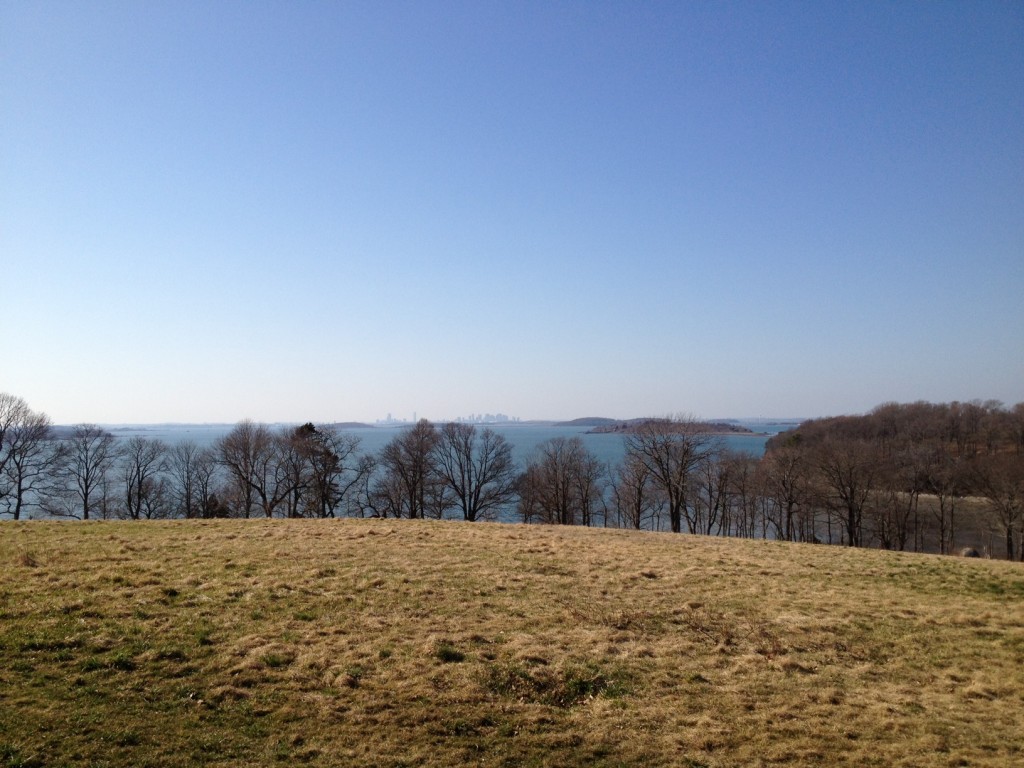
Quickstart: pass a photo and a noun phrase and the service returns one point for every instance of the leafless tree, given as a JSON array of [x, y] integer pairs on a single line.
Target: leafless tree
[[785, 476], [743, 484], [709, 507], [590, 481], [143, 462], [944, 477], [849, 470], [192, 471], [27, 456], [359, 501], [477, 468], [919, 449], [249, 454], [82, 475], [965, 422], [410, 484], [723, 492], [636, 500], [671, 450], [1016, 427], [292, 471], [894, 507], [1000, 479], [333, 471], [208, 474], [182, 470], [562, 485], [13, 411], [238, 452], [387, 495]]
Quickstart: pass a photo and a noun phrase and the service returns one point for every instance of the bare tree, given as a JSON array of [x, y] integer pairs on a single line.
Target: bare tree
[[27, 457], [387, 494], [248, 454], [359, 500], [143, 462], [637, 502], [338, 472], [944, 477], [208, 473], [849, 470], [785, 476], [745, 497], [546, 487], [894, 509], [13, 411], [1000, 479], [562, 485], [723, 491], [478, 469], [411, 485], [1015, 421], [191, 471], [710, 493], [590, 481], [181, 467], [82, 475], [292, 473], [671, 450]]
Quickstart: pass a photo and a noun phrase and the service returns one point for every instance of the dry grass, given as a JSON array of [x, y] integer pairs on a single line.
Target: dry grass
[[398, 643]]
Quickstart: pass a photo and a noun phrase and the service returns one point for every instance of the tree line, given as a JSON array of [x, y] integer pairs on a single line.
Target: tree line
[[917, 476], [906, 476]]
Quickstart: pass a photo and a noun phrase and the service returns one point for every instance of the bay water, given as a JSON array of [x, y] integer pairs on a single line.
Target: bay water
[[525, 438]]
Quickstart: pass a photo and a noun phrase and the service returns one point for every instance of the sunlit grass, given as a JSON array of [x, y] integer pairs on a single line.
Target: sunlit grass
[[424, 643]]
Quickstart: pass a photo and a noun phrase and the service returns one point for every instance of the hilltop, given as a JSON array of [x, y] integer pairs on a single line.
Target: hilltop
[[401, 643]]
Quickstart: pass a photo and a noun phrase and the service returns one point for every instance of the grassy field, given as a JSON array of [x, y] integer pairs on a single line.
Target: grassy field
[[402, 643]]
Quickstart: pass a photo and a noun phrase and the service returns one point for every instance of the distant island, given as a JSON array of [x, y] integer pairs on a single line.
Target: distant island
[[588, 421], [631, 426]]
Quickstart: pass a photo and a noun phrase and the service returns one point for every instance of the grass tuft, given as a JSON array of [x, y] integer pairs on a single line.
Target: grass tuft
[[449, 654], [12, 756], [27, 560], [567, 687], [277, 660]]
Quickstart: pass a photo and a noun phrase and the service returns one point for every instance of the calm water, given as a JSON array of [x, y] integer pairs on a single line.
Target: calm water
[[525, 438]]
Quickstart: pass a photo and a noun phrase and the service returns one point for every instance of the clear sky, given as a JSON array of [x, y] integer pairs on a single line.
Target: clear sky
[[335, 210]]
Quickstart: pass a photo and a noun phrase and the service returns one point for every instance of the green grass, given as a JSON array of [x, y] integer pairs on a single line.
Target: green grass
[[393, 643]]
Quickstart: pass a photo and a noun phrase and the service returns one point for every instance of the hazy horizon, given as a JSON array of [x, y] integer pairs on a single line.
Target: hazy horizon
[[334, 210], [397, 422]]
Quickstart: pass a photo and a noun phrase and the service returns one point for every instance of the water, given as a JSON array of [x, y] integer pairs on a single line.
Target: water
[[524, 438]]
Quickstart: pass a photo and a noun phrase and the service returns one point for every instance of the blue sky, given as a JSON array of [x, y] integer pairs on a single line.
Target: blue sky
[[332, 211]]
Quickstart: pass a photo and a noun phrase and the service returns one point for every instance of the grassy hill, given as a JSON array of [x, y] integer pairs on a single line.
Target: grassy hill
[[401, 643]]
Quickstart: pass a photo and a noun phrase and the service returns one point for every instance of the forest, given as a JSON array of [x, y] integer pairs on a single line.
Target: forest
[[945, 478]]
